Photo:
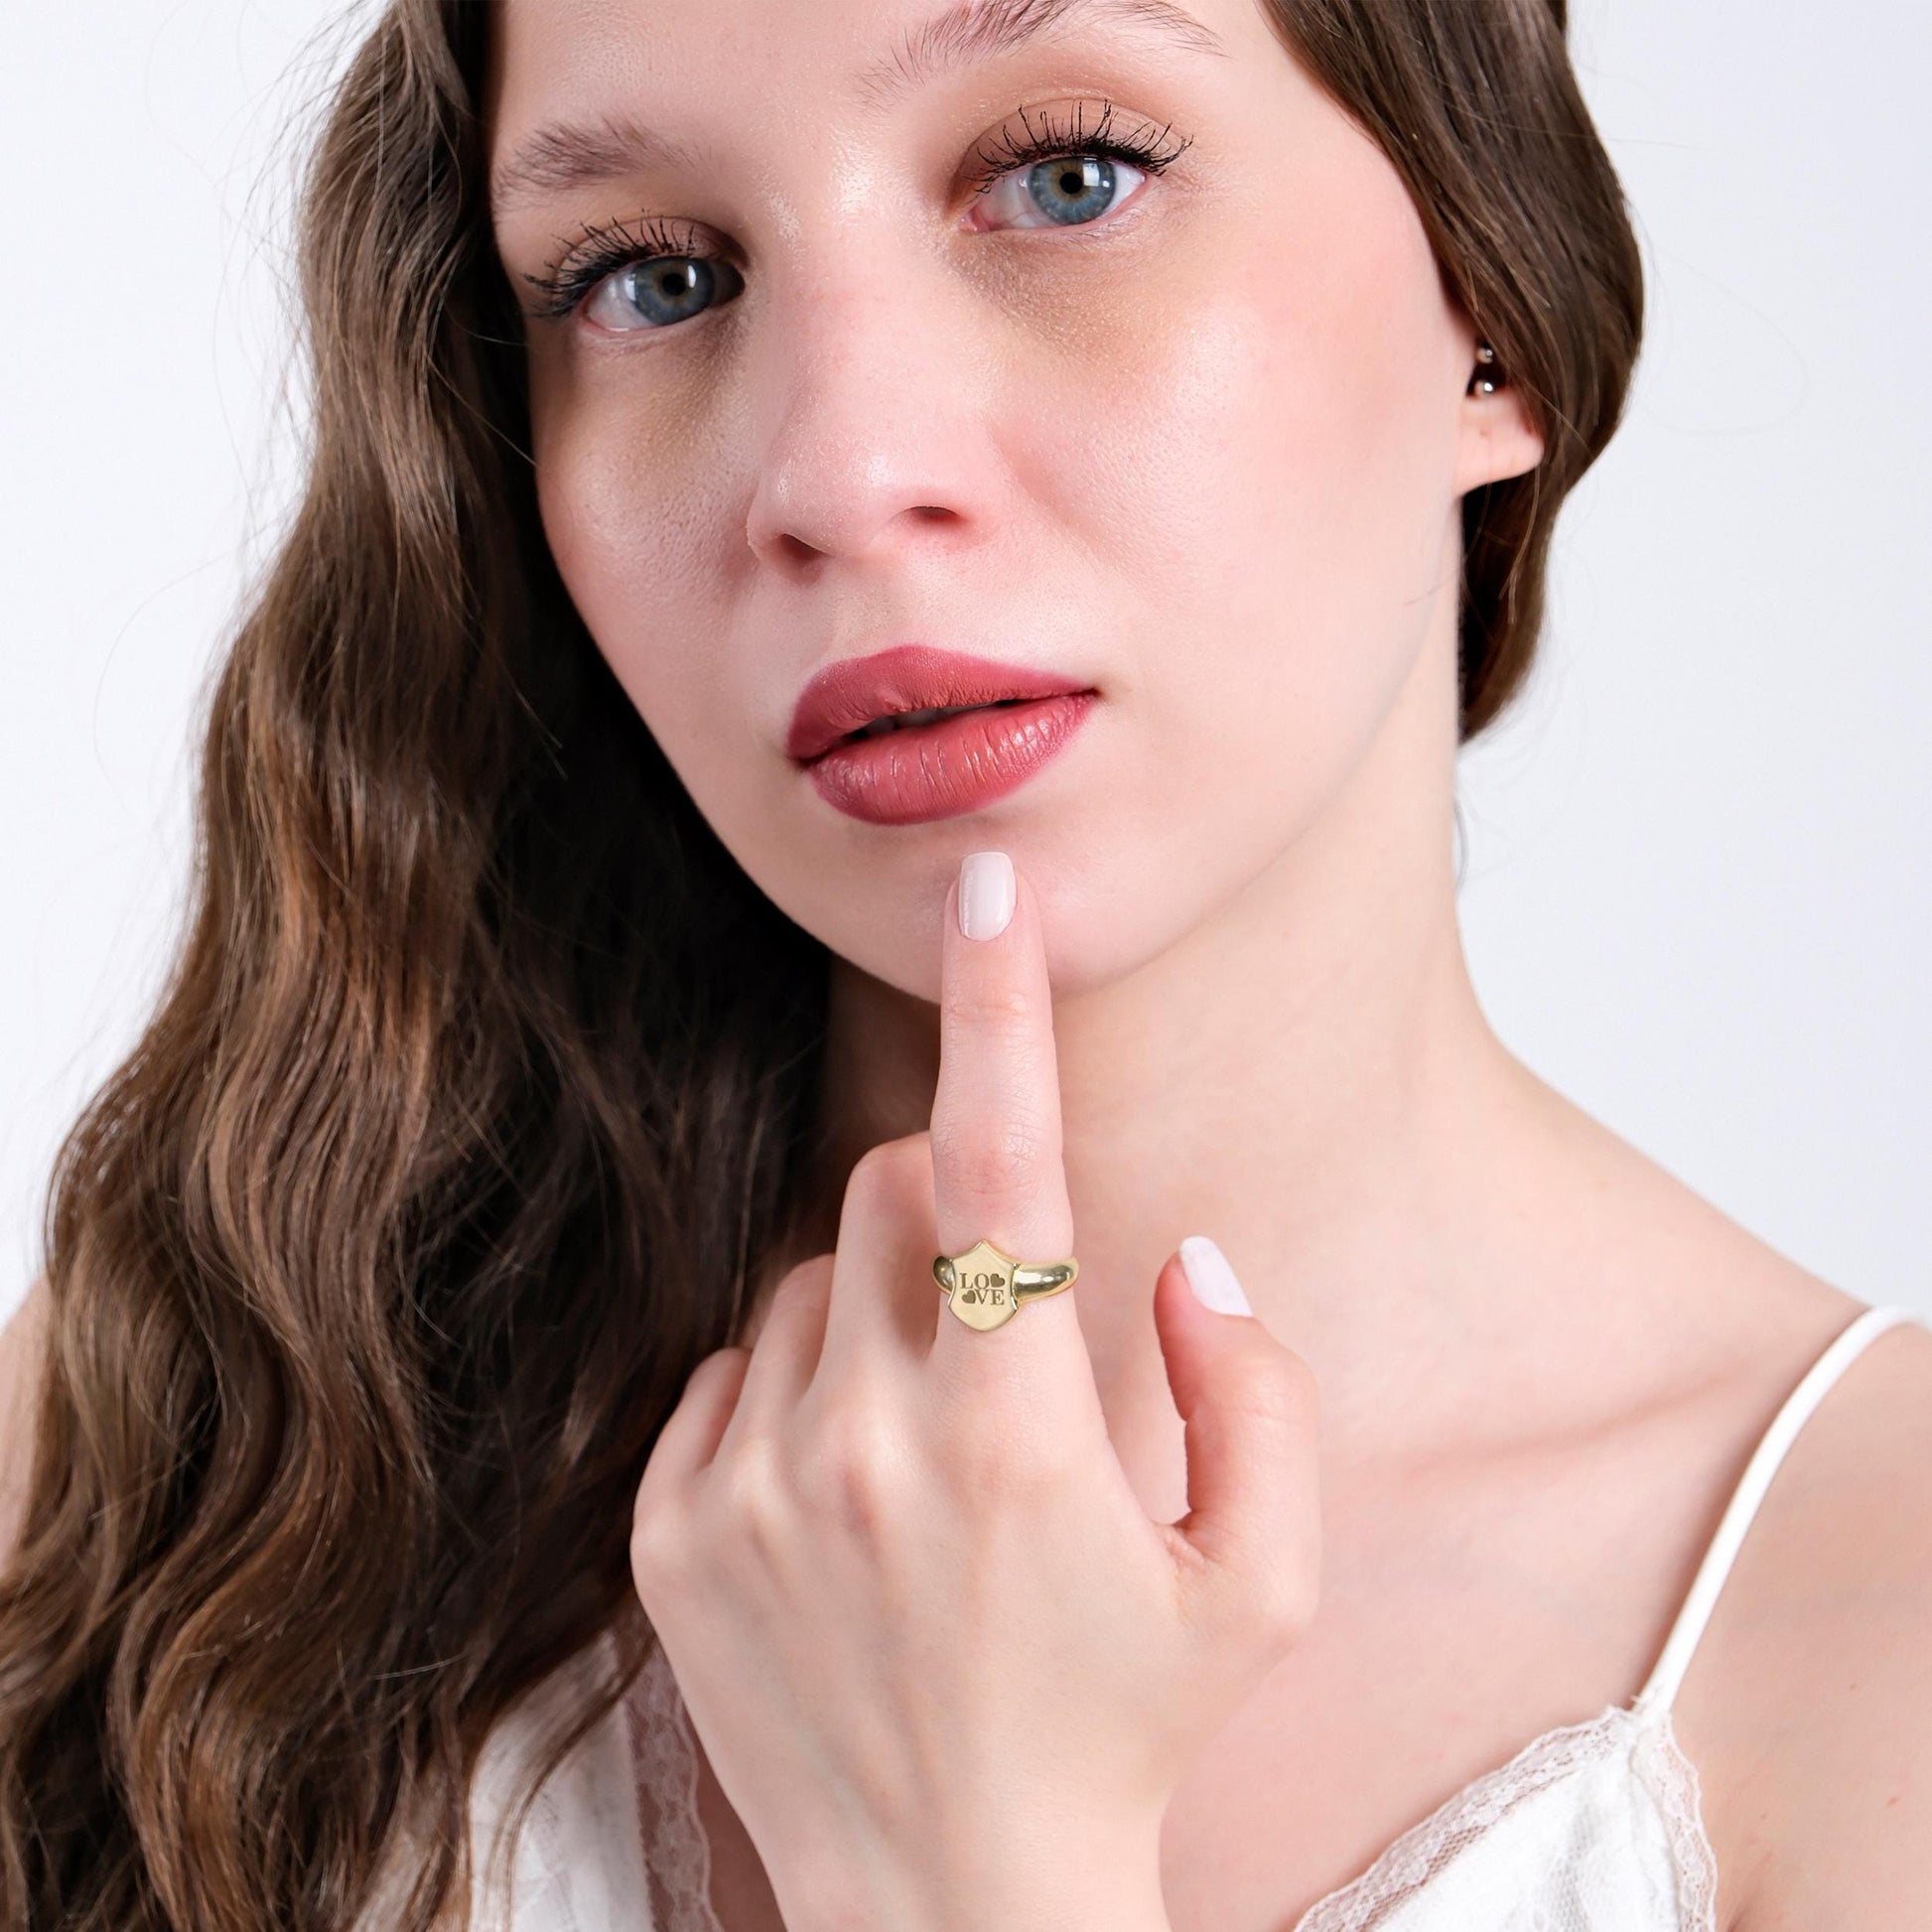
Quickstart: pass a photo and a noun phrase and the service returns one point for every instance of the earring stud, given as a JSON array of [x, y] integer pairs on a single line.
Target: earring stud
[[1482, 384]]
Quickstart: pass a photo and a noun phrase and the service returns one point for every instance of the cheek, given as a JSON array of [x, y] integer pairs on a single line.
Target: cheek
[[1281, 452], [630, 492], [1260, 474]]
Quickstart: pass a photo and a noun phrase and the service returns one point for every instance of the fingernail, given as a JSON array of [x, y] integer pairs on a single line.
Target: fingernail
[[986, 895], [1210, 1276]]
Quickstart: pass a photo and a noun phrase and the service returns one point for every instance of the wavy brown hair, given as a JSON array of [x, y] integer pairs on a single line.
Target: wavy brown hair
[[487, 1083]]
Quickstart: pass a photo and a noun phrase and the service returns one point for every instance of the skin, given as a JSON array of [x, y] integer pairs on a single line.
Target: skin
[[839, 1530], [1206, 456], [1208, 459]]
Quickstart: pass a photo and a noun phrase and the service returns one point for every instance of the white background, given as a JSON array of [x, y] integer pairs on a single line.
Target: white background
[[1698, 895]]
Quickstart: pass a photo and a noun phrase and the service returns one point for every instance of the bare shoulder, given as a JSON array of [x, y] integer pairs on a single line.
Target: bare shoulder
[[1806, 1709], [1829, 1646], [22, 1344]]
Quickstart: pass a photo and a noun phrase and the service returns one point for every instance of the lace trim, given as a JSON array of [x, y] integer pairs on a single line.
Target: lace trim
[[1672, 1780], [1405, 1865], [677, 1854]]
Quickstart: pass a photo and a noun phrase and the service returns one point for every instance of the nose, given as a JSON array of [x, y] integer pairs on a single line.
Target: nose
[[873, 407]]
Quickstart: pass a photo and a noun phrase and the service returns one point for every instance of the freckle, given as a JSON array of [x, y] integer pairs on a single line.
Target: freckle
[[1893, 1799]]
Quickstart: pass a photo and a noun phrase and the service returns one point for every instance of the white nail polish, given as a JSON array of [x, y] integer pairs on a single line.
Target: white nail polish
[[1210, 1276], [986, 895]]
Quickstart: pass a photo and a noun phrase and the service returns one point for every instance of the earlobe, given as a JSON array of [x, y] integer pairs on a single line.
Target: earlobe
[[1500, 438]]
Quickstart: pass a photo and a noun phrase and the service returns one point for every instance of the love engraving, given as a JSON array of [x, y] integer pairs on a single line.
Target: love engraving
[[982, 1287]]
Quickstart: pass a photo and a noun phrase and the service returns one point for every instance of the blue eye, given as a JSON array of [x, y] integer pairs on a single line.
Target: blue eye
[[1069, 174], [650, 270], [1070, 190], [663, 288]]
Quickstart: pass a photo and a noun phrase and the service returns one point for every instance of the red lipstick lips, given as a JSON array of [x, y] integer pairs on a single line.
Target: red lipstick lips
[[941, 768]]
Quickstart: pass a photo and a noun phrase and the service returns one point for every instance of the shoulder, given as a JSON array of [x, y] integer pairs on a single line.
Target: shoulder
[[22, 1346], [1840, 1631]]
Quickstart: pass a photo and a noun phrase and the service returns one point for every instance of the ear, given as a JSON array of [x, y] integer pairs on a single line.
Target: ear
[[1496, 436]]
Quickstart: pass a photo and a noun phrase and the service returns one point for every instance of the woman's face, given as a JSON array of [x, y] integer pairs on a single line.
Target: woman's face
[[1186, 431]]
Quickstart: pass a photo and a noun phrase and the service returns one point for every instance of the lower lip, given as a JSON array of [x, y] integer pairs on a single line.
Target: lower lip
[[943, 769]]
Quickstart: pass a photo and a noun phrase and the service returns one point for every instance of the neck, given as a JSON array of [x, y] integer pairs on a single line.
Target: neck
[[1305, 1076]]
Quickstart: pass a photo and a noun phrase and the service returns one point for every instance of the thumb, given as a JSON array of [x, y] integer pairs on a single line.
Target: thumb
[[1253, 1527]]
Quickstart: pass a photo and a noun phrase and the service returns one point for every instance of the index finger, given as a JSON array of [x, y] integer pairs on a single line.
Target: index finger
[[996, 1170]]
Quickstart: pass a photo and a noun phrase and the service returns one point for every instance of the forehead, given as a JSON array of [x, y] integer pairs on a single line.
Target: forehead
[[602, 61]]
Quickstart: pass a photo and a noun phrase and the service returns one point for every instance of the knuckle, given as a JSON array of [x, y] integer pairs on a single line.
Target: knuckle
[[851, 1473], [883, 1174], [1272, 1387], [658, 1550], [722, 1366], [1000, 1007], [804, 1282], [1300, 1377], [710, 1387], [991, 1158], [757, 1497]]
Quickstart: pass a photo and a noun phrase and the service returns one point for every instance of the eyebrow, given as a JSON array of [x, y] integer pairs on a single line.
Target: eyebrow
[[565, 156]]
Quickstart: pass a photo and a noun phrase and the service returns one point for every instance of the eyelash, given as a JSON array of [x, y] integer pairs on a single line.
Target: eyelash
[[604, 247]]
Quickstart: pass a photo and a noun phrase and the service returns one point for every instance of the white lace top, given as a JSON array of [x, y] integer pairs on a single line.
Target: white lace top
[[1594, 1827]]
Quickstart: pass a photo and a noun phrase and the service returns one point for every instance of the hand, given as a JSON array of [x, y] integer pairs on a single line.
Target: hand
[[945, 1667]]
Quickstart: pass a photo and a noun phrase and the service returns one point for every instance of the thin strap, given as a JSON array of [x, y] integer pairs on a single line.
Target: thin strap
[[1675, 1657]]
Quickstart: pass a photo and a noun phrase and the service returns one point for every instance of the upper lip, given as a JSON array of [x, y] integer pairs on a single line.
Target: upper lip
[[845, 696]]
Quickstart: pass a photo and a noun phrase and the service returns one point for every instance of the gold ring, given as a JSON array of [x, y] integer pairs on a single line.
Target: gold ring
[[984, 1286]]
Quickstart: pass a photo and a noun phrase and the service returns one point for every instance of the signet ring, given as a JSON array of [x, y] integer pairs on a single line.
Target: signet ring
[[984, 1285]]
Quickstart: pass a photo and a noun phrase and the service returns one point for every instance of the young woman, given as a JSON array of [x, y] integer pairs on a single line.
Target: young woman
[[542, 1296]]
